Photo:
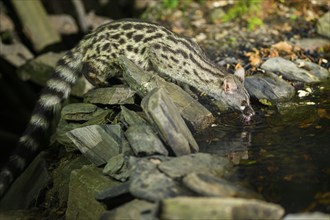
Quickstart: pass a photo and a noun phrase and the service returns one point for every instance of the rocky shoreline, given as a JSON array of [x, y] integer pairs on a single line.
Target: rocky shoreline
[[142, 159]]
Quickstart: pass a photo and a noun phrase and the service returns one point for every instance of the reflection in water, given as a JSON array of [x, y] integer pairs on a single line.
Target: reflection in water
[[284, 153], [227, 140]]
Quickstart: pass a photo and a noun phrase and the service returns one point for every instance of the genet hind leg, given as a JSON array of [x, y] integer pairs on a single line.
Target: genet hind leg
[[99, 72]]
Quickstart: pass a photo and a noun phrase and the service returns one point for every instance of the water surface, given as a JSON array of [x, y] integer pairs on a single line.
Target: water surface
[[284, 153]]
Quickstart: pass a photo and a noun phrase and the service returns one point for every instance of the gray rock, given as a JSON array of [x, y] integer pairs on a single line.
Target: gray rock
[[312, 44], [80, 111], [305, 216], [313, 68], [98, 142], [148, 183], [143, 82], [219, 208], [62, 128], [131, 117], [323, 25], [140, 135], [22, 192], [20, 214], [61, 178], [117, 167], [115, 95], [115, 195], [268, 86], [160, 109], [289, 70], [101, 117], [144, 141], [209, 185], [15, 53], [199, 162], [84, 184], [136, 209], [39, 70]]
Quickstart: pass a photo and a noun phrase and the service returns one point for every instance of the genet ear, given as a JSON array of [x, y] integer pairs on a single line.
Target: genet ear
[[229, 85], [240, 73]]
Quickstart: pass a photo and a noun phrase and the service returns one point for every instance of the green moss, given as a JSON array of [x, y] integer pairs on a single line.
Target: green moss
[[171, 3], [247, 10], [254, 22]]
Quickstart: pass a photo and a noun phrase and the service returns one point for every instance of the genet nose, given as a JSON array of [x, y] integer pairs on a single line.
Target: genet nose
[[248, 111]]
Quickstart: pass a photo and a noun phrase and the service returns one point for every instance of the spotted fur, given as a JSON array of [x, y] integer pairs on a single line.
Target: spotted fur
[[150, 46]]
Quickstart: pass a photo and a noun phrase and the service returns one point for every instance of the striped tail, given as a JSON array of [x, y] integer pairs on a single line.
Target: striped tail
[[57, 89]]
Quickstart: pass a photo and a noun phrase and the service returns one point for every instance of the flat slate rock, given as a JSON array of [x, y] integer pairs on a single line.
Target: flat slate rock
[[115, 95], [219, 208], [26, 189], [115, 196], [289, 70], [305, 216], [209, 185], [144, 82], [83, 186], [80, 111], [199, 162], [314, 68], [269, 86], [323, 25], [98, 142], [136, 209], [148, 183], [161, 110], [140, 135], [144, 141]]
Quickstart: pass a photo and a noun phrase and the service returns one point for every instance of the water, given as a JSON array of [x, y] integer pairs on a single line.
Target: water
[[284, 155]]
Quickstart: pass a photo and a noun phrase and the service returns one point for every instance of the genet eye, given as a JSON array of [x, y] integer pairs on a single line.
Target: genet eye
[[243, 105]]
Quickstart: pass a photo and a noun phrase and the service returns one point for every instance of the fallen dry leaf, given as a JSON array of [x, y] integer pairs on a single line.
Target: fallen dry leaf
[[283, 46]]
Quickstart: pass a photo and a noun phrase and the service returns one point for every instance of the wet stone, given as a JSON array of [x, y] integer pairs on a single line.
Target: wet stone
[[115, 95], [268, 86], [289, 70], [160, 109], [199, 162], [219, 208], [98, 142], [136, 209], [209, 185]]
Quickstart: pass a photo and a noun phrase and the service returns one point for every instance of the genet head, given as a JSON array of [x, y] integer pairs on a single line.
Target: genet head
[[235, 95]]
